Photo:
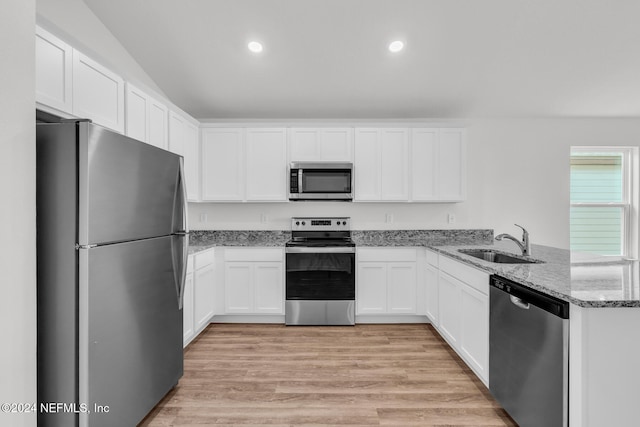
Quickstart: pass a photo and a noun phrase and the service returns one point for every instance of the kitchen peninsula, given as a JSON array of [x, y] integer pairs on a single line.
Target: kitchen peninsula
[[604, 297]]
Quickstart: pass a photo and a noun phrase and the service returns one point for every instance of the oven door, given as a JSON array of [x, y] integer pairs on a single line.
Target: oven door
[[325, 273]]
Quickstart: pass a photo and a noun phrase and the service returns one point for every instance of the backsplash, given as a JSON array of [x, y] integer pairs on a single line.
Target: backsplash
[[422, 237], [210, 238]]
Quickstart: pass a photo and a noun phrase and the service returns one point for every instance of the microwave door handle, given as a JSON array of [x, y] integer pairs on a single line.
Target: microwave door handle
[[300, 180]]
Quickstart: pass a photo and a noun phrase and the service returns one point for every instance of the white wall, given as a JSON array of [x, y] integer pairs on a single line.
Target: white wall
[[74, 22], [18, 210], [518, 172]]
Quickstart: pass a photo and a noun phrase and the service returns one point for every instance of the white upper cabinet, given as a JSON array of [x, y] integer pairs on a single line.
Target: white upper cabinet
[[146, 118], [222, 164], [158, 124], [321, 144], [98, 93], [192, 161], [53, 71], [176, 133], [266, 159], [137, 109], [381, 164], [452, 161], [438, 164], [183, 140], [244, 164]]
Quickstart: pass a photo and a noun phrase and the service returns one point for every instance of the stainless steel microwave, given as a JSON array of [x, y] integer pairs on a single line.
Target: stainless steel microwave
[[321, 181]]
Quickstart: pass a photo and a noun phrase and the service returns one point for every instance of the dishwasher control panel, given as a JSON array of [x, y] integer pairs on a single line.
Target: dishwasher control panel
[[546, 302]]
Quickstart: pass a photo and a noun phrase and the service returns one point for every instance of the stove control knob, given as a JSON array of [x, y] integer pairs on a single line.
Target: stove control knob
[[297, 222], [304, 223], [344, 222], [337, 222]]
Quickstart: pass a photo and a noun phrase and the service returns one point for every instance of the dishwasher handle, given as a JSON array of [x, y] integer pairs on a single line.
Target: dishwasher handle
[[522, 296], [519, 303]]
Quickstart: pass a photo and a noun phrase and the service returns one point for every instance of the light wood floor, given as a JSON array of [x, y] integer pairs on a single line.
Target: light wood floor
[[367, 375]]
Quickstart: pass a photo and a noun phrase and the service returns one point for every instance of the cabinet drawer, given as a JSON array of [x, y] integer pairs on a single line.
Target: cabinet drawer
[[202, 259], [471, 276], [386, 254], [253, 254], [432, 258]]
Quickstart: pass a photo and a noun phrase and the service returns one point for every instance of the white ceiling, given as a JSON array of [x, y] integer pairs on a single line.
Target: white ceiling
[[329, 58]]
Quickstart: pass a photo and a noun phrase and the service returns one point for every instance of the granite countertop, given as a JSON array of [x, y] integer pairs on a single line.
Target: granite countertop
[[203, 240], [581, 279]]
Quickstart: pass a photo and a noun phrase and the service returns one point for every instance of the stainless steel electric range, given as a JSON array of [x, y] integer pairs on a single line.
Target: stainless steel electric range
[[320, 272]]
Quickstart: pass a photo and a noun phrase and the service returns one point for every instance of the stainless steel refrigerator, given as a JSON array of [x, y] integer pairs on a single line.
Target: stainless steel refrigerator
[[112, 251]]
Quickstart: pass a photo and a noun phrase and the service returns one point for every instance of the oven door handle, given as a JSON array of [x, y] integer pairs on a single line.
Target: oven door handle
[[324, 250]]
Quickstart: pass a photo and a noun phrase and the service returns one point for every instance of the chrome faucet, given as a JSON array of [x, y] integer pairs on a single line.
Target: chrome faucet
[[524, 246]]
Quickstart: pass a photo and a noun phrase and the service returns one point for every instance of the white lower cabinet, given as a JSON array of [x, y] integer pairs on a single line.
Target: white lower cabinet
[[386, 281], [431, 288], [463, 313], [449, 307], [188, 324], [254, 281], [204, 289], [199, 294], [474, 329]]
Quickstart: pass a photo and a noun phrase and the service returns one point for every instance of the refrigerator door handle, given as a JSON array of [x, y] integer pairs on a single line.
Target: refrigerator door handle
[[180, 259], [183, 276], [183, 189]]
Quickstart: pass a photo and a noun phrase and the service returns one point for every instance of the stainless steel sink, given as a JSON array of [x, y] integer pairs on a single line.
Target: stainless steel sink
[[497, 257]]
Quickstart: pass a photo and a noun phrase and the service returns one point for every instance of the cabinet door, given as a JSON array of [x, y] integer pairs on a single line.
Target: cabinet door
[[401, 288], [268, 285], [192, 161], [188, 326], [367, 164], [204, 286], [449, 307], [238, 290], [305, 144], [452, 165], [424, 164], [158, 124], [266, 164], [137, 113], [431, 278], [98, 93], [176, 133], [336, 144], [474, 333], [394, 158], [371, 290], [53, 71], [222, 164], [321, 144]]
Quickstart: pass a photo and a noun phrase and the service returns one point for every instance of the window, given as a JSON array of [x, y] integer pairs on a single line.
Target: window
[[602, 212]]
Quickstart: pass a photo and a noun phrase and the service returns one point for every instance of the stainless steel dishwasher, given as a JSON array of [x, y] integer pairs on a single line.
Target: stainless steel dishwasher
[[529, 354]]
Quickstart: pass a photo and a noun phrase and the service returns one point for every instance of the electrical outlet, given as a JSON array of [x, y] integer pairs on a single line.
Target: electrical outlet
[[203, 217], [264, 218], [388, 218], [451, 218]]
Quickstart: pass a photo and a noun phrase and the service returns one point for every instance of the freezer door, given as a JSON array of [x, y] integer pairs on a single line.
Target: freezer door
[[128, 190], [130, 331]]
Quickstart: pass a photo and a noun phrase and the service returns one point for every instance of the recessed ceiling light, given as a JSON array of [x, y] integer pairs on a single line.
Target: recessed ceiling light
[[396, 46], [255, 47]]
